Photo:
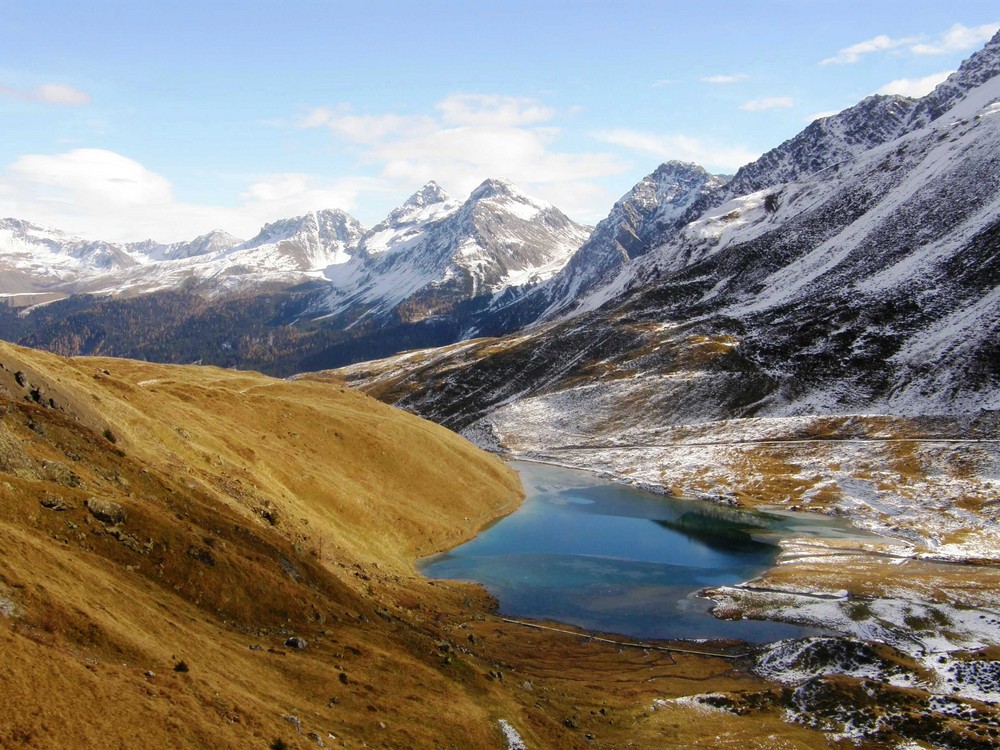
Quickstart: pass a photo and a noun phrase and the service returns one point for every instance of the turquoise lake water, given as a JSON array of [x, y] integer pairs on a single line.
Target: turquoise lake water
[[610, 558]]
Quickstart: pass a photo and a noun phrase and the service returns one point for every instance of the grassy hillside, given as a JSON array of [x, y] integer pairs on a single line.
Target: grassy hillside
[[153, 515], [164, 530]]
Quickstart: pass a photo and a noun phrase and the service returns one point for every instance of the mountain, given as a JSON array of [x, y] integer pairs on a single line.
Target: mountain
[[658, 204], [309, 292], [827, 142], [309, 243], [868, 287], [433, 253], [676, 194], [825, 344], [284, 253], [212, 242], [34, 257], [155, 554]]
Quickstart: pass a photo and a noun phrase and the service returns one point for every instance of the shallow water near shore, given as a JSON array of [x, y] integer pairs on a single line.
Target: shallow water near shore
[[607, 557]]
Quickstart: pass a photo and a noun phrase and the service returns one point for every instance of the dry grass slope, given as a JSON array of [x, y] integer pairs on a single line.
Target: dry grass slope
[[164, 530]]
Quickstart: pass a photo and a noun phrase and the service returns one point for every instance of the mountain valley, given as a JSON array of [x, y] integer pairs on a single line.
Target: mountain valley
[[819, 333]]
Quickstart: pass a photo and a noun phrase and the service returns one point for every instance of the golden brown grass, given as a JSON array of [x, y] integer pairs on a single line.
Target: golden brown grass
[[256, 509]]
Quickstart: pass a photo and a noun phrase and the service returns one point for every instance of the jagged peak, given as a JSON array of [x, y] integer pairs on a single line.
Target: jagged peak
[[498, 187], [674, 167], [23, 226], [217, 234], [974, 71], [428, 195], [313, 223]]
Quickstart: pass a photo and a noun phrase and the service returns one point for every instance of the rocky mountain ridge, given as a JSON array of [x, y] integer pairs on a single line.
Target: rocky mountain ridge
[[434, 252], [866, 286]]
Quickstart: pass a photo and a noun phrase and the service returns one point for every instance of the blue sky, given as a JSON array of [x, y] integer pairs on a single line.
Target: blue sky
[[128, 120]]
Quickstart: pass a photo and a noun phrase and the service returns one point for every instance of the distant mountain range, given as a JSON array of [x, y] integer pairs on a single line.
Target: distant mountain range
[[860, 244], [319, 289], [855, 267]]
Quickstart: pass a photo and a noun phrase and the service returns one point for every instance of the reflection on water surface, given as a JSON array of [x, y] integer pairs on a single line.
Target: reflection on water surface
[[607, 557]]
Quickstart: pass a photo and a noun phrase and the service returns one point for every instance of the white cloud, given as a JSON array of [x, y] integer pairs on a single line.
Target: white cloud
[[713, 156], [50, 93], [492, 110], [855, 52], [664, 82], [343, 122], [94, 177], [768, 102], [723, 79], [915, 87], [472, 137], [958, 38], [101, 194]]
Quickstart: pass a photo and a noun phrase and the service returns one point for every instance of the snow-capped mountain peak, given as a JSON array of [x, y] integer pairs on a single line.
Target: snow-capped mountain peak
[[428, 195], [310, 242], [657, 204], [973, 72], [434, 254], [503, 195], [212, 242], [495, 187]]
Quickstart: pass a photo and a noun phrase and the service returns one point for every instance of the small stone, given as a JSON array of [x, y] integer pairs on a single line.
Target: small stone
[[294, 721], [55, 503], [149, 674], [296, 642], [106, 511], [202, 555]]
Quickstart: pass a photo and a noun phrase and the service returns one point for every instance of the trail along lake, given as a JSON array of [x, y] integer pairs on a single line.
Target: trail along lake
[[610, 558]]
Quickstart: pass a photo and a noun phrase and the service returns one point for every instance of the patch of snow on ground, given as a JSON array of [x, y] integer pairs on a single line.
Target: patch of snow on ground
[[514, 741]]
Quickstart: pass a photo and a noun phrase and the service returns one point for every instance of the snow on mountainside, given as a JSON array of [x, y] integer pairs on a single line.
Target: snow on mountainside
[[826, 142], [48, 255], [212, 242], [434, 252], [871, 285], [286, 252], [657, 204], [431, 252], [829, 344], [676, 194], [873, 121], [309, 243]]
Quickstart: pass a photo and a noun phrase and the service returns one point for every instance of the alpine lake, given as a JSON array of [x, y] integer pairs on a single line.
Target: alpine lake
[[610, 558]]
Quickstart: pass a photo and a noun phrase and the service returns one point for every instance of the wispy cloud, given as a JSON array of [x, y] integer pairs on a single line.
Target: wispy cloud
[[880, 43], [50, 93], [102, 194], [724, 79], [768, 102], [664, 82], [958, 38], [470, 137], [667, 146], [915, 87]]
